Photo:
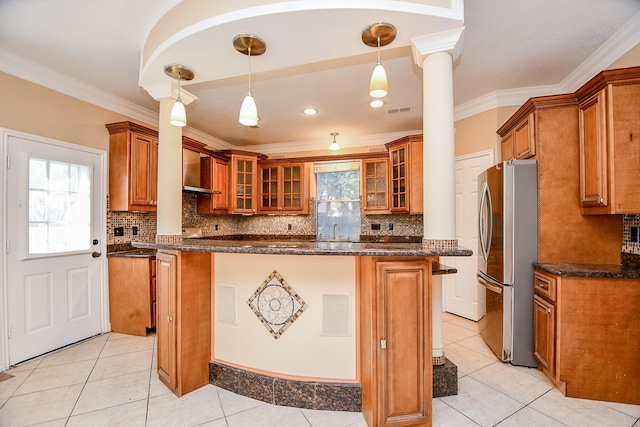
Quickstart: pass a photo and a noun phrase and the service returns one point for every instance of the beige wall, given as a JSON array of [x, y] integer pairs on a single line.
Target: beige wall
[[630, 59], [478, 133], [31, 108]]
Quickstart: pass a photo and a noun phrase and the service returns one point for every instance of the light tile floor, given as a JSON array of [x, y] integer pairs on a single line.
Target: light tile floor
[[110, 380]]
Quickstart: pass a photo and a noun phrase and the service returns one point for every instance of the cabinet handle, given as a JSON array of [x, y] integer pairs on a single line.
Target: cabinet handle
[[541, 285], [600, 200], [169, 318], [383, 343], [548, 311]]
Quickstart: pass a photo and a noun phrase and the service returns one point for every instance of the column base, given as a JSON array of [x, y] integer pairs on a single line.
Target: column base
[[438, 360], [168, 239], [440, 243], [445, 379]]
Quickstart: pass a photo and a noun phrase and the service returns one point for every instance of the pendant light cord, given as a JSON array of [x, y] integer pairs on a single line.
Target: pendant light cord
[[249, 53], [379, 49]]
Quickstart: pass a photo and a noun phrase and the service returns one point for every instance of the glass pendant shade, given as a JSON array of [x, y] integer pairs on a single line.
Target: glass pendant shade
[[334, 145], [378, 87], [248, 111], [178, 115]]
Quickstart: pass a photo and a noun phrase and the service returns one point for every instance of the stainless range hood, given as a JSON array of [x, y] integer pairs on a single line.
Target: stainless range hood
[[191, 166]]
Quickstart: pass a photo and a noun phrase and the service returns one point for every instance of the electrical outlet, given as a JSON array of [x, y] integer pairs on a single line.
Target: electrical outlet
[[391, 226], [375, 227], [634, 235], [289, 227], [134, 230], [118, 231], [216, 227]]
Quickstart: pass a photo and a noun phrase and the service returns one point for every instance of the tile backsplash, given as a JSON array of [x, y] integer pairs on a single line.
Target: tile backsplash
[[218, 225], [371, 225], [631, 234]]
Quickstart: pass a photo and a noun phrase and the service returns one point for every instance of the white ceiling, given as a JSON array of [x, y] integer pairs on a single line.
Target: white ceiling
[[92, 50]]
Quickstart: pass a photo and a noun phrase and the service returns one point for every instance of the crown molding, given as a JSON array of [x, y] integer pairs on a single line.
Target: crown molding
[[613, 49], [625, 39], [321, 144], [43, 76]]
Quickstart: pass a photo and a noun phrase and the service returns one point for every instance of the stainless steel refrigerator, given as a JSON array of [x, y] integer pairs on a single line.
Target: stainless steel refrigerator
[[508, 245]]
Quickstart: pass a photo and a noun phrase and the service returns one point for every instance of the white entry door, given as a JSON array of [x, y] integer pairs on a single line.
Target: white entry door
[[55, 226], [462, 293]]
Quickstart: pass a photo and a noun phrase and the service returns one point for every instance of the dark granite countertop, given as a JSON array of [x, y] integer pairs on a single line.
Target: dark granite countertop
[[611, 271], [303, 247], [133, 253]]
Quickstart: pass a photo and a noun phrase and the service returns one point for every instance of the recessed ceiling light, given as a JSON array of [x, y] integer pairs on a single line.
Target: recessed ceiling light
[[310, 111], [377, 103]]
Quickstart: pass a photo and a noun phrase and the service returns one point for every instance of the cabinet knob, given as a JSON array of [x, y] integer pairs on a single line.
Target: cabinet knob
[[169, 318], [548, 311], [600, 200]]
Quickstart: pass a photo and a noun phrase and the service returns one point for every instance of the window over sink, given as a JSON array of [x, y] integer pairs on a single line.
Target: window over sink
[[338, 200]]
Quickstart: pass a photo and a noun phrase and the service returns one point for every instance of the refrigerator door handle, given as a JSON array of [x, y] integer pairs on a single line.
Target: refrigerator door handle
[[492, 285], [485, 221]]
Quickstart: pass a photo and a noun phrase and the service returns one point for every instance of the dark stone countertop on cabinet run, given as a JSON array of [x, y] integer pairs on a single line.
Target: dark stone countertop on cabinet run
[[305, 247], [609, 271], [125, 250]]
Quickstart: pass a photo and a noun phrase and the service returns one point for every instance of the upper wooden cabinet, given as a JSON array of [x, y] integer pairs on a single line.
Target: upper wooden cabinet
[[609, 156], [215, 175], [243, 183], [405, 179], [133, 167], [284, 187], [375, 186], [518, 142]]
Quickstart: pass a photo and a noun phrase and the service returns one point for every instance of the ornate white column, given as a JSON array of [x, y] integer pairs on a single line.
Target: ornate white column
[[433, 53], [169, 213]]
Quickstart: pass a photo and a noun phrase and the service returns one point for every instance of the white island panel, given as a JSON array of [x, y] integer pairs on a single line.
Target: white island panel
[[302, 350]]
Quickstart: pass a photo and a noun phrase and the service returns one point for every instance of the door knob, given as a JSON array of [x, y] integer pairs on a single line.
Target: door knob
[[96, 254]]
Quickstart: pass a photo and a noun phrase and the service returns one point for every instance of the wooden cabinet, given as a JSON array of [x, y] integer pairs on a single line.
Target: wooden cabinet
[[284, 187], [184, 298], [395, 340], [564, 233], [243, 187], [584, 340], [405, 179], [215, 175], [133, 167], [375, 186], [609, 156], [544, 323], [519, 141], [132, 294]]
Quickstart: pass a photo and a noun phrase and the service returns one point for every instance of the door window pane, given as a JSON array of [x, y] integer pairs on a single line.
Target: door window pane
[[59, 207]]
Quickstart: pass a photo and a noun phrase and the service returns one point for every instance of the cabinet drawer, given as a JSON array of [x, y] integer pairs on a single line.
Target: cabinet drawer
[[545, 286]]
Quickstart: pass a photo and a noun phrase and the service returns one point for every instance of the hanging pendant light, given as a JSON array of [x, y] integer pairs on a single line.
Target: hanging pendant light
[[376, 35], [179, 72], [249, 44], [334, 145]]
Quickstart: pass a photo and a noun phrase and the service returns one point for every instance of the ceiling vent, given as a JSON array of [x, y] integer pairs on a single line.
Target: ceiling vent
[[399, 110]]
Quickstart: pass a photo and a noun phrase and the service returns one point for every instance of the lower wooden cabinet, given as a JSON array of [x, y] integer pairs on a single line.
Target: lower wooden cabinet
[[132, 294], [544, 325], [585, 335], [184, 319], [395, 342]]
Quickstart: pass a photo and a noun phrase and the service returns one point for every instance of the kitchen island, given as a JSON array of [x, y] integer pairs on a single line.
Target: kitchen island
[[319, 325]]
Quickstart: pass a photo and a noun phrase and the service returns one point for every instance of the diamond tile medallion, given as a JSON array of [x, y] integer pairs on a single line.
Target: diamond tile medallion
[[276, 304]]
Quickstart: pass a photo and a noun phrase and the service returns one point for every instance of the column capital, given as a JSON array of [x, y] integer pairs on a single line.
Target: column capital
[[169, 89], [446, 41]]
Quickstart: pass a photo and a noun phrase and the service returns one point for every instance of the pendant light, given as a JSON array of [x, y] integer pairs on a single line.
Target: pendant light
[[376, 35], [179, 72], [249, 44], [334, 145]]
